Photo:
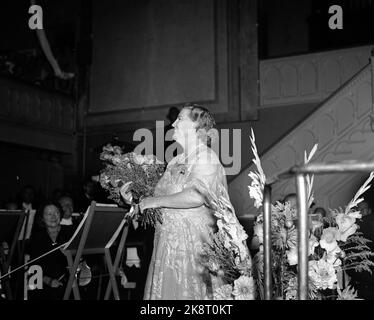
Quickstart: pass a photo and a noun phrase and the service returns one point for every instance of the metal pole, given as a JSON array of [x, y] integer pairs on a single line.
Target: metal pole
[[372, 80], [267, 242], [351, 166], [303, 237]]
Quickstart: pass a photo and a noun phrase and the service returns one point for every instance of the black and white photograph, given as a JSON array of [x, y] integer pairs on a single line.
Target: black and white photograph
[[186, 150]]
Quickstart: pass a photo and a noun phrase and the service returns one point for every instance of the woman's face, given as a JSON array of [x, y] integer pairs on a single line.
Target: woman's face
[[184, 127], [51, 216]]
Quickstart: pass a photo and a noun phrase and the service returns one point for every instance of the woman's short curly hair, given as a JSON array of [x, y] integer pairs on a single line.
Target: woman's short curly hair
[[205, 122]]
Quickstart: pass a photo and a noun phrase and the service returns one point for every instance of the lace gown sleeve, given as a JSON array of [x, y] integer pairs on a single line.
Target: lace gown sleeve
[[206, 175]]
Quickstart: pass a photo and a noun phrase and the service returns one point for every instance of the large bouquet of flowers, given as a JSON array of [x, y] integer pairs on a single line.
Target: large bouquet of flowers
[[226, 256], [335, 243], [141, 173]]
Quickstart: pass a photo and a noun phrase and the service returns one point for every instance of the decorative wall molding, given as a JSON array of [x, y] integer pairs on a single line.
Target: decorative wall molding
[[310, 77], [341, 127]]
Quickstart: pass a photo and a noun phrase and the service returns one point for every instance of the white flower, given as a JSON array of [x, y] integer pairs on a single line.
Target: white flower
[[256, 194], [148, 159], [139, 159], [104, 178], [255, 189], [316, 224], [244, 288], [223, 293], [213, 266], [322, 274], [291, 294], [258, 230], [347, 225], [220, 224], [245, 265], [313, 243], [291, 290], [292, 256], [355, 214], [329, 239], [332, 257], [116, 159], [240, 235], [237, 261]]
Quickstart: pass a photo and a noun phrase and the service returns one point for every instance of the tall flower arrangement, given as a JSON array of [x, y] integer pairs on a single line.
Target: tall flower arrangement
[[335, 243], [226, 256], [140, 173]]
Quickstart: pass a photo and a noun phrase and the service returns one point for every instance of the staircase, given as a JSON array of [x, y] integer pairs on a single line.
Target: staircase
[[341, 125]]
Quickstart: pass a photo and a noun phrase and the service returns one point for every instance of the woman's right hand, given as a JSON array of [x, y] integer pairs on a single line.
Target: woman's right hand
[[125, 193], [55, 283]]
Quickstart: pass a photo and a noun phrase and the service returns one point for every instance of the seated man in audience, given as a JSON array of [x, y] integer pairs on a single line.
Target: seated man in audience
[[66, 203], [27, 202], [291, 199], [321, 212], [57, 194], [83, 201]]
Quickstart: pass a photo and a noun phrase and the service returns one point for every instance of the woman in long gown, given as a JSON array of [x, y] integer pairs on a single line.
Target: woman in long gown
[[174, 272]]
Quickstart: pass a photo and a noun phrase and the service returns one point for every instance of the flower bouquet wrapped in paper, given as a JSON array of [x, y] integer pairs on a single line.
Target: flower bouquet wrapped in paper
[[140, 173]]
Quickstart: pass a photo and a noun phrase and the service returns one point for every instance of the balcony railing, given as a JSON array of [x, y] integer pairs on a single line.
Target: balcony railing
[[35, 117]]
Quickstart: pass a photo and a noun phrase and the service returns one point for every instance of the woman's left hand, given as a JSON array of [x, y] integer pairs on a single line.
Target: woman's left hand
[[147, 203]]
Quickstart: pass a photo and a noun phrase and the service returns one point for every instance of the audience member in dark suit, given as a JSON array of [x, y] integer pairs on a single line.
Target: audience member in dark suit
[[28, 199], [67, 206], [57, 194], [48, 236], [88, 194]]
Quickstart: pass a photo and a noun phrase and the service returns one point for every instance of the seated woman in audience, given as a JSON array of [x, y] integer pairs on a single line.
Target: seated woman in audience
[[48, 236]]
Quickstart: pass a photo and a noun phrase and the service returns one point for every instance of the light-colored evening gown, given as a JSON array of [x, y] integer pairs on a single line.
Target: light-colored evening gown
[[174, 272]]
